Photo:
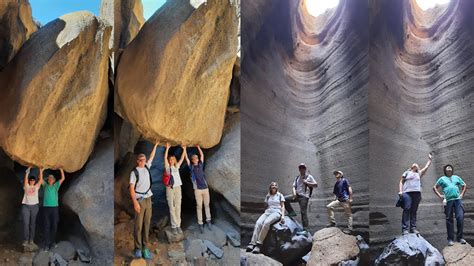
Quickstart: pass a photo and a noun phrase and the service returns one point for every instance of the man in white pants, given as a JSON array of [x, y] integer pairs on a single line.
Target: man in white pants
[[343, 192], [173, 189]]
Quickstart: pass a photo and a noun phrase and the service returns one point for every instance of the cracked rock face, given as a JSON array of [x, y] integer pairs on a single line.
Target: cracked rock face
[[54, 93], [173, 82], [16, 26], [420, 100], [304, 99]]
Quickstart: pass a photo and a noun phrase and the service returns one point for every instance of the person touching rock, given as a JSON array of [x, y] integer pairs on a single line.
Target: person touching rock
[[51, 208], [30, 206], [173, 189]]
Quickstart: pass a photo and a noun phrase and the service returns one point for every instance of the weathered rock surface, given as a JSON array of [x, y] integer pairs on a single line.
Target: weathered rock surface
[[66, 249], [459, 255], [183, 71], [223, 167], [90, 197], [304, 99], [54, 93], [420, 101], [10, 192], [16, 26], [410, 249], [250, 259], [331, 246]]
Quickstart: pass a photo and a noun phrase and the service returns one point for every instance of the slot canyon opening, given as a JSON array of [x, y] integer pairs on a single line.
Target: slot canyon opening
[[426, 5], [317, 7], [11, 221]]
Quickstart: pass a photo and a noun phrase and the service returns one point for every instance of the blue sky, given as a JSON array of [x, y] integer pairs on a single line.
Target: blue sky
[[47, 10]]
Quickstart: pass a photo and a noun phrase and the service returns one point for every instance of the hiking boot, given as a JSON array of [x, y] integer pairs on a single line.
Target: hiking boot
[[256, 249], [462, 241], [209, 225], [146, 254], [201, 228], [450, 242], [137, 254], [174, 231], [405, 232], [179, 230], [347, 231], [291, 214], [250, 248], [331, 225], [414, 231], [24, 243], [31, 242], [53, 246]]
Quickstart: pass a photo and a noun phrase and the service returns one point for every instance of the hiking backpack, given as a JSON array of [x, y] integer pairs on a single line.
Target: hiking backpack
[[168, 178], [137, 175]]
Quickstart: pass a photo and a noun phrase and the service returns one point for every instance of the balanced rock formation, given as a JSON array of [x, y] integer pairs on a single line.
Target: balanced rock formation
[[173, 81], [90, 197], [304, 99], [410, 249], [331, 246], [16, 26], [420, 101], [54, 93], [223, 166], [458, 255]]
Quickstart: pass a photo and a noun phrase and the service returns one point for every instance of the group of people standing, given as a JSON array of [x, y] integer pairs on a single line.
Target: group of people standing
[[302, 188], [453, 189], [31, 206], [140, 192]]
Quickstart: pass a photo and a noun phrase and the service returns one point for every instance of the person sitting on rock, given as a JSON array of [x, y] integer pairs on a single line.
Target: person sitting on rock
[[274, 212], [30, 206], [51, 208], [140, 192], [410, 191], [453, 192], [173, 191], [302, 190], [343, 192], [201, 190]]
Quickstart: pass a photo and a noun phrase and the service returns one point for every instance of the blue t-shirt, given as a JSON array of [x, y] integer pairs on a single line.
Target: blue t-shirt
[[451, 186], [198, 176], [341, 189]]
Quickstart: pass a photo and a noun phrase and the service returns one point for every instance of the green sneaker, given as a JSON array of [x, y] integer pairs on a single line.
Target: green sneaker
[[146, 254]]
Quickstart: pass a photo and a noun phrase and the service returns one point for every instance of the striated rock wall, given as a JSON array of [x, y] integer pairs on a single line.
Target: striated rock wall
[[421, 99], [304, 99]]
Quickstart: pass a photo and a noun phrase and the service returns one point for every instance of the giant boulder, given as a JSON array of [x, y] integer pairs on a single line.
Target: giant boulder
[[90, 197], [173, 81], [458, 254], [332, 246], [223, 166], [54, 93], [16, 26]]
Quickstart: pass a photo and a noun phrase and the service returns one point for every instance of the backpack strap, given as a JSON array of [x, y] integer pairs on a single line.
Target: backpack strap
[[135, 170]]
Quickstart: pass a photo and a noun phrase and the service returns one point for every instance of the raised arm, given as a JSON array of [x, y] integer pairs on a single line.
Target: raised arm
[[201, 154], [27, 173], [40, 178], [186, 156], [182, 156], [165, 159], [423, 171], [63, 177], [152, 154]]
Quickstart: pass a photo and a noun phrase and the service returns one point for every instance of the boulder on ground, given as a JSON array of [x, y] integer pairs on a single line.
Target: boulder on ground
[[16, 26], [54, 93], [223, 166], [90, 197], [65, 249], [332, 246], [410, 249], [459, 254], [250, 259], [287, 242], [173, 82]]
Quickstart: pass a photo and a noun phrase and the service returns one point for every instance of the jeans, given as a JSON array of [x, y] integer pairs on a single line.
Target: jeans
[[173, 196], [303, 202], [142, 224], [457, 207], [202, 198], [411, 202], [29, 213], [347, 209], [51, 219], [263, 225]]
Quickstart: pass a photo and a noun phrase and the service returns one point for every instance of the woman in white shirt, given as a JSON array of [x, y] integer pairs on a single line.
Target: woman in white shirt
[[173, 190], [30, 205], [274, 212], [410, 190]]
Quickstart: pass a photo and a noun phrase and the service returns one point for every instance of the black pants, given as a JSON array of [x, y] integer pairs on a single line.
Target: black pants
[[51, 219], [458, 209], [411, 202], [303, 202]]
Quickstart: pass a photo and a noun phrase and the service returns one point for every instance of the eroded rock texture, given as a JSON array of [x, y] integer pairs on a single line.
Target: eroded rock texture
[[54, 93], [304, 99], [16, 26], [173, 81], [421, 99]]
